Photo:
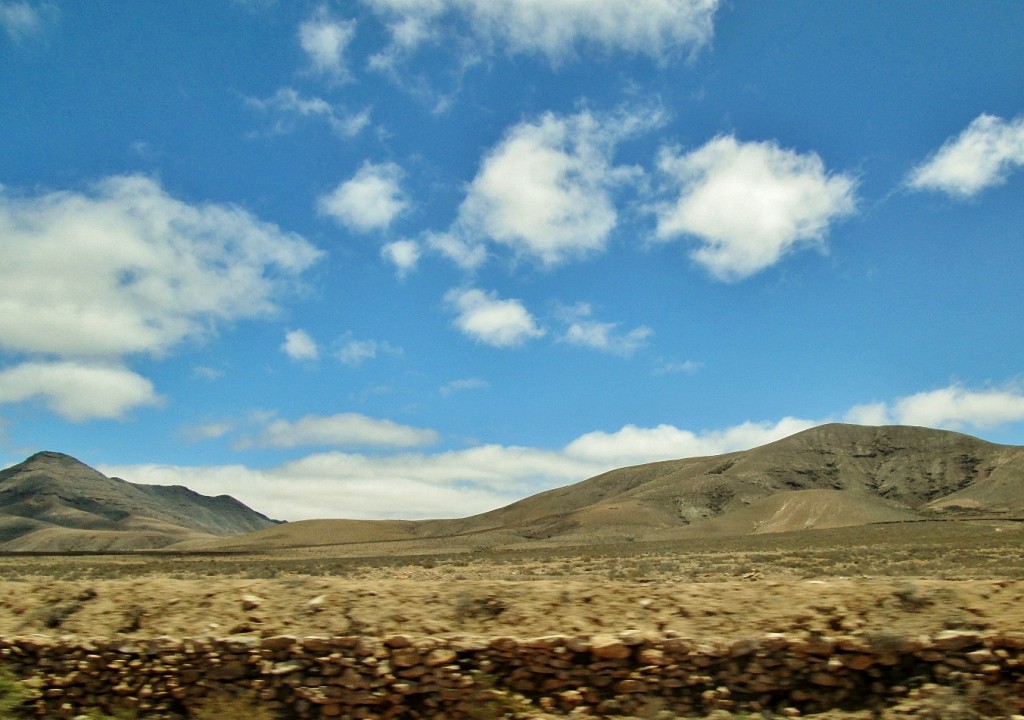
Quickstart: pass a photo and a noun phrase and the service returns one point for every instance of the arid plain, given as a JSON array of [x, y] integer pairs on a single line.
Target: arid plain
[[878, 534], [877, 582]]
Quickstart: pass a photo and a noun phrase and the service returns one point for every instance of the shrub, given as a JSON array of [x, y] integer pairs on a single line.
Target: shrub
[[13, 694]]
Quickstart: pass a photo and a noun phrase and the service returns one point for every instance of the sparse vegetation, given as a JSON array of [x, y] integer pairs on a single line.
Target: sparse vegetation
[[13, 694]]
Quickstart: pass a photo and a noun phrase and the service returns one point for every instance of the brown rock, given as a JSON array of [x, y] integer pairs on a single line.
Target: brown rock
[[440, 656], [405, 657], [956, 640], [857, 661], [251, 602], [609, 648]]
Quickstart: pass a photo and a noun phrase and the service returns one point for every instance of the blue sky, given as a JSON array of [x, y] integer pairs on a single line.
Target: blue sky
[[421, 258]]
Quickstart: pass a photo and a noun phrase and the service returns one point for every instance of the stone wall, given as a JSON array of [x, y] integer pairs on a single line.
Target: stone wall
[[422, 677]]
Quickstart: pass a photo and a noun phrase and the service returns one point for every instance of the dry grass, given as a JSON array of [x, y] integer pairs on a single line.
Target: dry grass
[[882, 582], [231, 707]]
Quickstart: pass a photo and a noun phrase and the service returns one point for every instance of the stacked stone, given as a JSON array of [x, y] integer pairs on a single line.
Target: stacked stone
[[421, 677]]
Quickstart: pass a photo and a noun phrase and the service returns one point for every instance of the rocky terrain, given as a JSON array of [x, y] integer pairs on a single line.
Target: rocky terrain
[[890, 621]]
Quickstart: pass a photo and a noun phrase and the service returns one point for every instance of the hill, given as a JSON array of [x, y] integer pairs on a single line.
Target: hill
[[53, 502], [899, 472], [829, 476]]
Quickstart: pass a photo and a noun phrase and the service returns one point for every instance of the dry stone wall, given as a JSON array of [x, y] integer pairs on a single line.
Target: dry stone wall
[[468, 677]]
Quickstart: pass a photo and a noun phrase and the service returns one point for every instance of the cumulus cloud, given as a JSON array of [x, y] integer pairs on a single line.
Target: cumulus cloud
[[288, 105], [125, 268], [209, 431], [468, 253], [545, 190], [77, 391], [606, 337], [490, 320], [554, 28], [369, 200], [983, 155], [342, 430], [23, 20], [749, 204], [953, 408], [354, 352], [325, 39], [403, 254], [298, 345]]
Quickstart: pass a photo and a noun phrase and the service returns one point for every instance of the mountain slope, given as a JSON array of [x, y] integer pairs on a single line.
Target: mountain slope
[[908, 470], [52, 501], [825, 477]]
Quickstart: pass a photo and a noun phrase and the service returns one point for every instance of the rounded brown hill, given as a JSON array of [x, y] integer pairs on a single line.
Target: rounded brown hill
[[830, 476]]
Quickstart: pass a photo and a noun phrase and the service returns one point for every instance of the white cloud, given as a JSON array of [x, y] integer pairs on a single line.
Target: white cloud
[[545, 190], [355, 352], [555, 28], [489, 320], [983, 155], [22, 20], [370, 200], [603, 336], [634, 445], [325, 39], [126, 268], [952, 408], [342, 430], [287, 105], [209, 431], [749, 204], [331, 485], [77, 391], [869, 414], [403, 254], [298, 345], [461, 385], [669, 367], [466, 252], [202, 372], [411, 24]]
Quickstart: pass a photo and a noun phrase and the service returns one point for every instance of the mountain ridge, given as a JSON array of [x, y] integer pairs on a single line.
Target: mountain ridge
[[54, 501], [829, 476]]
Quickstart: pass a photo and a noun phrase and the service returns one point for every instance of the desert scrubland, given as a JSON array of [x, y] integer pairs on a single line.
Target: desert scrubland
[[879, 583]]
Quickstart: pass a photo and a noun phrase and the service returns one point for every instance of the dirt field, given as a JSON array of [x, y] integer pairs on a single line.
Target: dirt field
[[872, 581]]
